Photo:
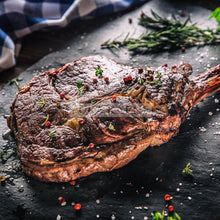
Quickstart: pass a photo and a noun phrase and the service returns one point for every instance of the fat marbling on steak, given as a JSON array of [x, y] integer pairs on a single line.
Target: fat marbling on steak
[[95, 115]]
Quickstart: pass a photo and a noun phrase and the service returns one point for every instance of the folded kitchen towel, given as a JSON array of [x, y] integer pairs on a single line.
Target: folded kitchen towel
[[22, 17]]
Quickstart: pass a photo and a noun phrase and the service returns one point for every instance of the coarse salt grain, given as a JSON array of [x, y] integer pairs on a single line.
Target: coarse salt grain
[[202, 129], [59, 217], [216, 100], [113, 217], [97, 201], [147, 195], [210, 113], [189, 197]]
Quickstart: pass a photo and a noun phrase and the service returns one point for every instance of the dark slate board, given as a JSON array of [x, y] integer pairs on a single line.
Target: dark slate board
[[138, 189]]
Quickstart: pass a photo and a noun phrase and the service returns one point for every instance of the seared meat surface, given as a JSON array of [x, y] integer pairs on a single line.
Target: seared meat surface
[[95, 115]]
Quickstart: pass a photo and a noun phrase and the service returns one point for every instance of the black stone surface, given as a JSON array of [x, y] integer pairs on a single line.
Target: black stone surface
[[138, 189]]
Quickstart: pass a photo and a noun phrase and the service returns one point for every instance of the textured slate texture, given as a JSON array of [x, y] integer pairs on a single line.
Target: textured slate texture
[[138, 189]]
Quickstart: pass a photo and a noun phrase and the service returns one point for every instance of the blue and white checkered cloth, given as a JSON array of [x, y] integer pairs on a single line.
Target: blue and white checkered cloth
[[22, 17]]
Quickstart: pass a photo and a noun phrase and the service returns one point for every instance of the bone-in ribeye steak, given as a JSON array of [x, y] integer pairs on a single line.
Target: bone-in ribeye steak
[[95, 115]]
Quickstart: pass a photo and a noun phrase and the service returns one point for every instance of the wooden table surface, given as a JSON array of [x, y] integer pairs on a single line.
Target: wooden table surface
[[38, 44]]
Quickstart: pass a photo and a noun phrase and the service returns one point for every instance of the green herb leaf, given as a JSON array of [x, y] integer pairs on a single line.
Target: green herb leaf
[[175, 216], [99, 71], [187, 170], [53, 134], [141, 81], [6, 154], [216, 14], [158, 82], [158, 75], [158, 216], [111, 127], [41, 103], [80, 86]]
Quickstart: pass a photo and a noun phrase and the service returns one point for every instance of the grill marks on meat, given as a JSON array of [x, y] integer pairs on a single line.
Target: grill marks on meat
[[147, 111]]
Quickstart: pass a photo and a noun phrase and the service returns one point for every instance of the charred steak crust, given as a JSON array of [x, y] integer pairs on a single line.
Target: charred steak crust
[[74, 121]]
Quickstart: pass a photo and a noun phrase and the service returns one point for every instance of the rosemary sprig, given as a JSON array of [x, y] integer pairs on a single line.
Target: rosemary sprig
[[166, 35]]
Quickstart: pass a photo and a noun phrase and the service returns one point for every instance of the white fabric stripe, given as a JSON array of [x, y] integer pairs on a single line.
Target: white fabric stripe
[[14, 6], [7, 58]]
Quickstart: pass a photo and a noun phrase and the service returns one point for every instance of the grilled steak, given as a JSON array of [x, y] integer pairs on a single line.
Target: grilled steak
[[95, 115]]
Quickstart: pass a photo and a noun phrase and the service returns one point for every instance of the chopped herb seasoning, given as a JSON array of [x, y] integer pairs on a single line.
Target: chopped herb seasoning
[[41, 103], [99, 71], [94, 101], [45, 120], [111, 127], [158, 75], [6, 154], [141, 81], [80, 85], [187, 170], [53, 134]]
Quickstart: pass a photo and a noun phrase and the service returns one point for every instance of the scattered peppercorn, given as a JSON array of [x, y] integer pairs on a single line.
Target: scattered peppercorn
[[94, 80], [81, 121], [182, 13], [114, 98], [151, 77], [62, 95], [77, 207], [86, 86], [140, 70], [48, 124], [62, 201], [170, 208], [142, 14], [167, 197], [128, 79], [11, 107], [130, 20], [165, 65], [91, 145], [183, 49], [106, 79], [73, 182]]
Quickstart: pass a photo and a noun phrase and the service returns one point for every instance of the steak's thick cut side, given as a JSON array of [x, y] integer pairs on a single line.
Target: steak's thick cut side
[[95, 115]]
